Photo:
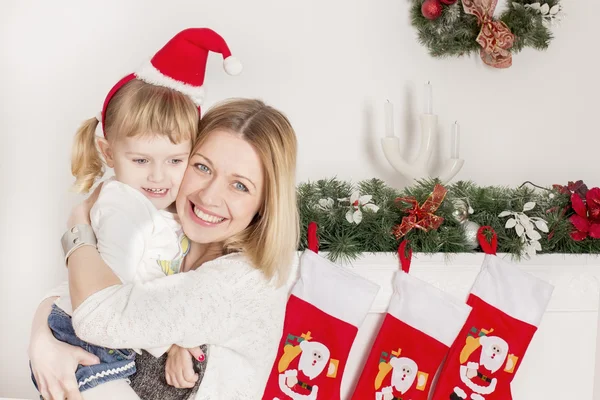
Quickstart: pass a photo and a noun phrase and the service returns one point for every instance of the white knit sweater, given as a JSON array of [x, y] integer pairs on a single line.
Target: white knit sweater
[[226, 304]]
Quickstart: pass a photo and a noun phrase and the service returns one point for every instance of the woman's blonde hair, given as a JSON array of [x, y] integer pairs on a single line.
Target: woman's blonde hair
[[272, 237], [138, 108]]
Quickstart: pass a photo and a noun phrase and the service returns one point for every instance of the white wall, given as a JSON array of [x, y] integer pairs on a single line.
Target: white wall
[[328, 64]]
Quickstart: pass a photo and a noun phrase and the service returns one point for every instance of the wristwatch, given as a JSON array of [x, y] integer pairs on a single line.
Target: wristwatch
[[78, 236]]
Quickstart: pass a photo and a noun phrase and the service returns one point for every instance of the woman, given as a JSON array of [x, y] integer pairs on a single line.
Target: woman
[[237, 205]]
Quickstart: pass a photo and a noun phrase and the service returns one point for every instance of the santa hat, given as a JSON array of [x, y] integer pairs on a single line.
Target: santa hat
[[181, 65]]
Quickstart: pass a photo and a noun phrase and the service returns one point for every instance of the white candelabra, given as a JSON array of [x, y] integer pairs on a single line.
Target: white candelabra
[[419, 169]]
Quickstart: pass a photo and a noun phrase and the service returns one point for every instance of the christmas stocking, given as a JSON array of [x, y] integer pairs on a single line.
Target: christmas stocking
[[508, 305], [419, 327], [327, 305]]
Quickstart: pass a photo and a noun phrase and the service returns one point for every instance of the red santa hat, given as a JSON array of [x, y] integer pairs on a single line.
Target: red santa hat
[[181, 65]]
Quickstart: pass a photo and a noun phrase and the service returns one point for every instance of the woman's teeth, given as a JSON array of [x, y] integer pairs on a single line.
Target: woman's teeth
[[206, 217]]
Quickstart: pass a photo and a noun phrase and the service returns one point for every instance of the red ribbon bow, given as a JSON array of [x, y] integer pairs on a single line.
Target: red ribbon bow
[[421, 217], [495, 37]]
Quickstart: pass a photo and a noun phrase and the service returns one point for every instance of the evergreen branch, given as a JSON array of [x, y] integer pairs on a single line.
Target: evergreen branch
[[345, 240]]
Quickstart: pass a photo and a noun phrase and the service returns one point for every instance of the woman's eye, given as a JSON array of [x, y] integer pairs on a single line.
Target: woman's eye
[[176, 161], [140, 161], [202, 167], [240, 186]]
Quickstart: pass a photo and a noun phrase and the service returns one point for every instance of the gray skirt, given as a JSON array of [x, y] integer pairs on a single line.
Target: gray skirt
[[149, 381]]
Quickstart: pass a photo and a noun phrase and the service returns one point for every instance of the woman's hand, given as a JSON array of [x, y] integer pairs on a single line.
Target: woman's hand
[[80, 214], [179, 370], [53, 362]]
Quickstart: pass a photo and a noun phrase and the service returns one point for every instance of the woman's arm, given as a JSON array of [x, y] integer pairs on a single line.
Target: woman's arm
[[53, 363], [188, 309]]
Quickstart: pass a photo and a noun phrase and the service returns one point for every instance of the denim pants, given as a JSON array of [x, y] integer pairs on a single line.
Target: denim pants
[[114, 363]]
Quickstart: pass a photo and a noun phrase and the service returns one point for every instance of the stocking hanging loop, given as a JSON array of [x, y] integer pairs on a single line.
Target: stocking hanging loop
[[488, 247], [313, 240], [405, 256]]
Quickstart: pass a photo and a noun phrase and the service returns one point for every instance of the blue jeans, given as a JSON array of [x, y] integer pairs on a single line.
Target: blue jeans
[[114, 363]]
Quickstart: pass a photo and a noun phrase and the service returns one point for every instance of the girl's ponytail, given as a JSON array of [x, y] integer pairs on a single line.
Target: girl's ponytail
[[86, 162]]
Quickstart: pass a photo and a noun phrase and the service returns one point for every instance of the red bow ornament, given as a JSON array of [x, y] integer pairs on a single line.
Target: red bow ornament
[[421, 217], [495, 37]]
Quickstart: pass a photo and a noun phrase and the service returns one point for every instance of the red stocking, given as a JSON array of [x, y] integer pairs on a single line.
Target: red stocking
[[508, 305], [324, 311], [421, 324]]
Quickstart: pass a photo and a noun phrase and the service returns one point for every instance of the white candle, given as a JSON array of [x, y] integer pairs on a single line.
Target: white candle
[[455, 141], [389, 119], [428, 98]]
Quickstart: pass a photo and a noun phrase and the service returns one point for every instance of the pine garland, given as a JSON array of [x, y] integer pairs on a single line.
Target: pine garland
[[455, 32], [346, 240]]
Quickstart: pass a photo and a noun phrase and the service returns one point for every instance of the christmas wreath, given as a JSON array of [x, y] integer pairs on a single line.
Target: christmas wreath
[[460, 27], [373, 217]]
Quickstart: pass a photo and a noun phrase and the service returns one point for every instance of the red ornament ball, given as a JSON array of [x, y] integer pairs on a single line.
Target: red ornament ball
[[431, 9], [448, 2]]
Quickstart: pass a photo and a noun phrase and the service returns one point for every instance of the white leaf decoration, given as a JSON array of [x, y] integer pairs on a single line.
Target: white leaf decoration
[[536, 245], [535, 6], [544, 9], [530, 250], [504, 214], [355, 196], [534, 235], [471, 211], [371, 207], [529, 206], [349, 216], [510, 223], [519, 229], [555, 9], [541, 225], [365, 199], [524, 220], [326, 204], [357, 216]]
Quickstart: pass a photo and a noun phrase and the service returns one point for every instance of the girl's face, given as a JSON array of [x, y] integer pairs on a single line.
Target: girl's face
[[149, 163], [222, 189]]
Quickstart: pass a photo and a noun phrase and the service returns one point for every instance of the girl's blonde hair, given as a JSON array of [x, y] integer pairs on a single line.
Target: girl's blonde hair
[[138, 108], [272, 237]]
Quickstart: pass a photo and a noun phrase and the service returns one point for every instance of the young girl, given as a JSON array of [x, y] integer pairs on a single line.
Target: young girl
[[148, 123]]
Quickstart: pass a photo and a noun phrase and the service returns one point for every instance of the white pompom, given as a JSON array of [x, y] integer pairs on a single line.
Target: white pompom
[[232, 65]]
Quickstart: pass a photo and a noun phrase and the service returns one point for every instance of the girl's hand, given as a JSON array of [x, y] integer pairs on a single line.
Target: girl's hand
[[80, 214], [179, 370]]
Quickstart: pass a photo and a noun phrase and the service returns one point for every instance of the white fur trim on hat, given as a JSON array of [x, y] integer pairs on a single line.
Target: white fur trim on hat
[[151, 75], [232, 65]]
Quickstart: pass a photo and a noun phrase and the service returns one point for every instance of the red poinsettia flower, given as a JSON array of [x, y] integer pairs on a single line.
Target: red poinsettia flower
[[586, 219], [572, 187]]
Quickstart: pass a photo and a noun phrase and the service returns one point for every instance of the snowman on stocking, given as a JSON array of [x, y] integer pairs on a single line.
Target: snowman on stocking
[[327, 305]]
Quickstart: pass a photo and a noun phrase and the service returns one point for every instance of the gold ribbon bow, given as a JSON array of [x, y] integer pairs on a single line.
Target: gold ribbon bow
[[421, 217], [495, 37]]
